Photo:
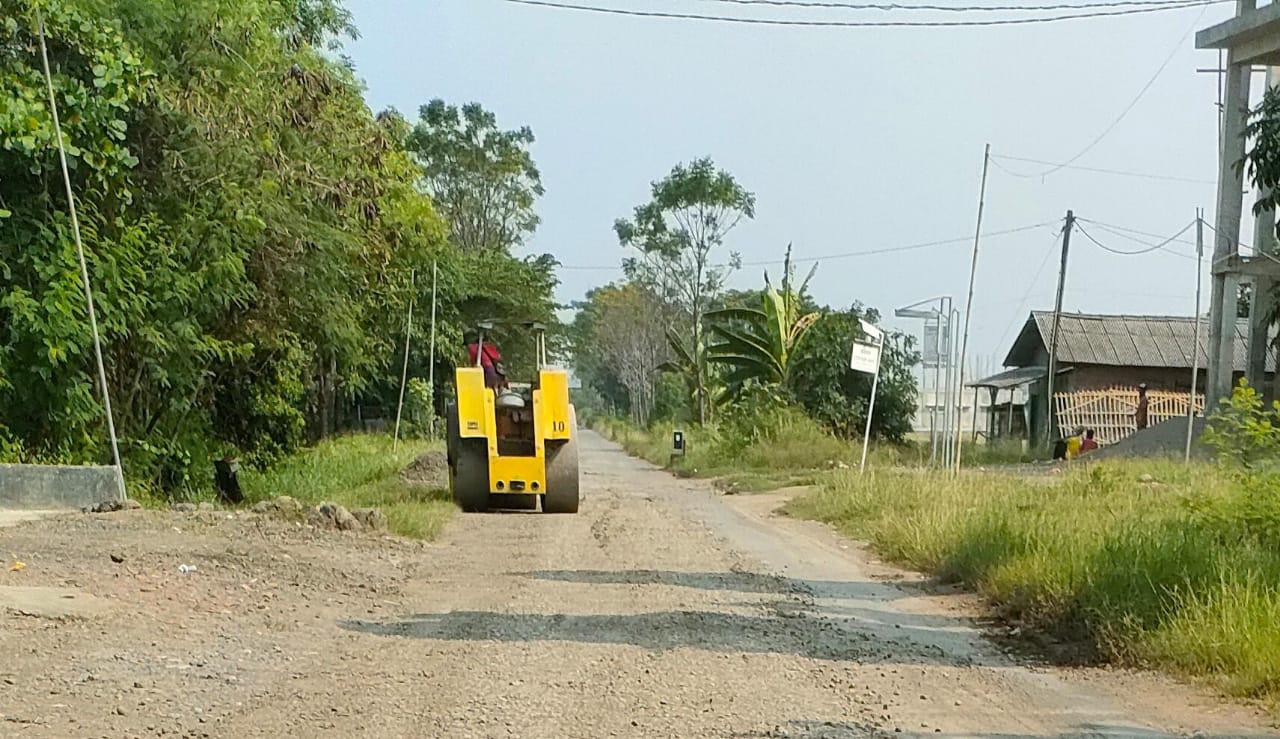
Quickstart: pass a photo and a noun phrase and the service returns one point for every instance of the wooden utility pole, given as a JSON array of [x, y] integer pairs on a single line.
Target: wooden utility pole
[[968, 314], [404, 372], [1195, 346], [1057, 321], [431, 352]]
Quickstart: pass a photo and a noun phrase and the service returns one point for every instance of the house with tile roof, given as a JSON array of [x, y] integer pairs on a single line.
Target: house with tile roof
[[1101, 352]]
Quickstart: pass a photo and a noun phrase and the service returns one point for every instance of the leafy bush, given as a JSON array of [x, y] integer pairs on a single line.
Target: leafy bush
[[10, 449], [1242, 431], [762, 429], [759, 432], [419, 410]]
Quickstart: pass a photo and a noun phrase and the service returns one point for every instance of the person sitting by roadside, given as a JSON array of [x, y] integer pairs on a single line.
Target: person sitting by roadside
[[1089, 443], [1073, 444]]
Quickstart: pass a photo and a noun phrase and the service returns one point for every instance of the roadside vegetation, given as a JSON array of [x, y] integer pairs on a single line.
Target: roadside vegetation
[[786, 448], [757, 381], [360, 471], [1151, 563], [255, 235]]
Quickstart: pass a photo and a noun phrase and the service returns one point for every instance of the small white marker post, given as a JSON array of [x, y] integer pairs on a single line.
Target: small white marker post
[[866, 358]]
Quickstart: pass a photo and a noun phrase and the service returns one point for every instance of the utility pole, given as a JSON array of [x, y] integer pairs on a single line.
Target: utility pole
[[84, 267], [968, 311], [1195, 346], [404, 372], [1057, 321], [431, 352]]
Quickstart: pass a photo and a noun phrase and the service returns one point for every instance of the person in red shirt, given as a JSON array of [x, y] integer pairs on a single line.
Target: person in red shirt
[[1089, 443], [490, 362]]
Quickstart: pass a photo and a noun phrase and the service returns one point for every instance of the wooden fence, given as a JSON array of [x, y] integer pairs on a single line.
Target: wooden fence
[[1112, 413]]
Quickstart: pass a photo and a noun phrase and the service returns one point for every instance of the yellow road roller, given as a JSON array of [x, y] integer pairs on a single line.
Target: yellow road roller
[[512, 445]]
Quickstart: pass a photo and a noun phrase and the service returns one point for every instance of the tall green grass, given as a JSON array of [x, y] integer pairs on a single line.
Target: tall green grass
[[786, 449], [1181, 573], [357, 471]]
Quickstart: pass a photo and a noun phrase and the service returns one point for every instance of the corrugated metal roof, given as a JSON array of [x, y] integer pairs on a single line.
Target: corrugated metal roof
[[1011, 378], [1124, 341], [1016, 377]]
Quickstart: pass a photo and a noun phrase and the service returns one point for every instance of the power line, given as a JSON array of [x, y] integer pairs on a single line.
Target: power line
[[849, 254], [1119, 231], [1123, 232], [1030, 288], [1126, 233], [866, 24], [950, 8], [895, 249], [1150, 248], [1132, 103], [1253, 249], [1100, 170]]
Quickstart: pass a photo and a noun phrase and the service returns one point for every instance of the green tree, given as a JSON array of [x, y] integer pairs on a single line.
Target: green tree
[[482, 179], [760, 343], [250, 226], [836, 396], [677, 234], [590, 366], [629, 333]]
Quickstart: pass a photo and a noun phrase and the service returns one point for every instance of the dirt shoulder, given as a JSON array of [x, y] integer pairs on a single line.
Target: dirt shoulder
[[662, 609]]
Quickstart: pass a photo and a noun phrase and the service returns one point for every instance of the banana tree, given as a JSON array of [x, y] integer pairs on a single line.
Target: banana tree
[[691, 367], [760, 343]]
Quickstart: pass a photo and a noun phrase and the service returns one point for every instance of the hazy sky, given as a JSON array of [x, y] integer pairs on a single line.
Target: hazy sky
[[852, 139]]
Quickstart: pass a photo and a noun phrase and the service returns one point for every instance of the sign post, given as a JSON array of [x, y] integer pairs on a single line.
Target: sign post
[[866, 358]]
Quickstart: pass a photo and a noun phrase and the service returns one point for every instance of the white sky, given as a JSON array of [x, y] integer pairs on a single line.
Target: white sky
[[852, 139]]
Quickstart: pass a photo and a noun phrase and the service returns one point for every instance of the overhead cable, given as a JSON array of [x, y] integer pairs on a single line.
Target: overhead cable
[[1149, 249], [1255, 250], [1126, 232], [1100, 170], [952, 8], [849, 254], [1132, 103], [1031, 286], [863, 24]]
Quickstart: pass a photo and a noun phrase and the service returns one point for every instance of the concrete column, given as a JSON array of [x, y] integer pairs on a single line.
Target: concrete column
[[1226, 287], [1261, 304]]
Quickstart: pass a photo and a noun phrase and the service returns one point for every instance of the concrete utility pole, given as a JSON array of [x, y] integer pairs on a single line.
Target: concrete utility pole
[[1057, 320]]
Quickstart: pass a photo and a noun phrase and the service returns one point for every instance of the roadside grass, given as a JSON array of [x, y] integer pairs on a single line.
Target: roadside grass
[[358, 471], [1179, 570], [787, 453], [784, 451]]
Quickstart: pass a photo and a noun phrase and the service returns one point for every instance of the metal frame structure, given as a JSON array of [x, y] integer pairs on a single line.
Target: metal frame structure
[[940, 314]]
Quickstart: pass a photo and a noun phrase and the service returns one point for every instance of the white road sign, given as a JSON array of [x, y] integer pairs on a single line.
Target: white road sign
[[866, 350]]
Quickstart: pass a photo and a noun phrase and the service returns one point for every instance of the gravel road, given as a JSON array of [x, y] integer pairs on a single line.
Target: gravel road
[[663, 609]]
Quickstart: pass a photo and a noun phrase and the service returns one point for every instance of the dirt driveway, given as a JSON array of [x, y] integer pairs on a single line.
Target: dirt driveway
[[661, 610]]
